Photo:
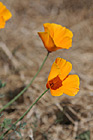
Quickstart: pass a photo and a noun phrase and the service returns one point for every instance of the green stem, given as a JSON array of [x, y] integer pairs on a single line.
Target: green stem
[[31, 107], [16, 97], [2, 136]]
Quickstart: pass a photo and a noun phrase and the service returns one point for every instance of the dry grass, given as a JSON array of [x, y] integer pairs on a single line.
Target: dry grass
[[21, 54]]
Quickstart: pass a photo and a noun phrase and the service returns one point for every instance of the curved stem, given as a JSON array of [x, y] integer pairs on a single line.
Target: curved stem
[[2, 136], [16, 97]]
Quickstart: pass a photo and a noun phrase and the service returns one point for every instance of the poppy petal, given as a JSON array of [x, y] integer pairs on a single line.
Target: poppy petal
[[49, 28], [2, 22], [55, 70], [57, 92], [2, 7], [71, 85], [60, 36], [63, 37], [66, 43], [5, 12], [64, 66], [47, 40]]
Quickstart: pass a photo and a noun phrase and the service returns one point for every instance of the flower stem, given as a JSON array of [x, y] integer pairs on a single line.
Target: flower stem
[[31, 107], [2, 136], [16, 97]]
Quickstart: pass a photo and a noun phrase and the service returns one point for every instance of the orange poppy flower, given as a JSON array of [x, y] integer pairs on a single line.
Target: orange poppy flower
[[4, 15], [56, 37], [59, 81]]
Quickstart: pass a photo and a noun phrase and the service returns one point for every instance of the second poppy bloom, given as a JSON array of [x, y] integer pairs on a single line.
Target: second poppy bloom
[[5, 15], [56, 37], [59, 80]]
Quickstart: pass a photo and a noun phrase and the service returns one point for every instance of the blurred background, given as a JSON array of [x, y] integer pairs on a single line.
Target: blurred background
[[21, 54]]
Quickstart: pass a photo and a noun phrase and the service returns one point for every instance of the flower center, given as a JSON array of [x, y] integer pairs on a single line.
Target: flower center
[[55, 83]]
